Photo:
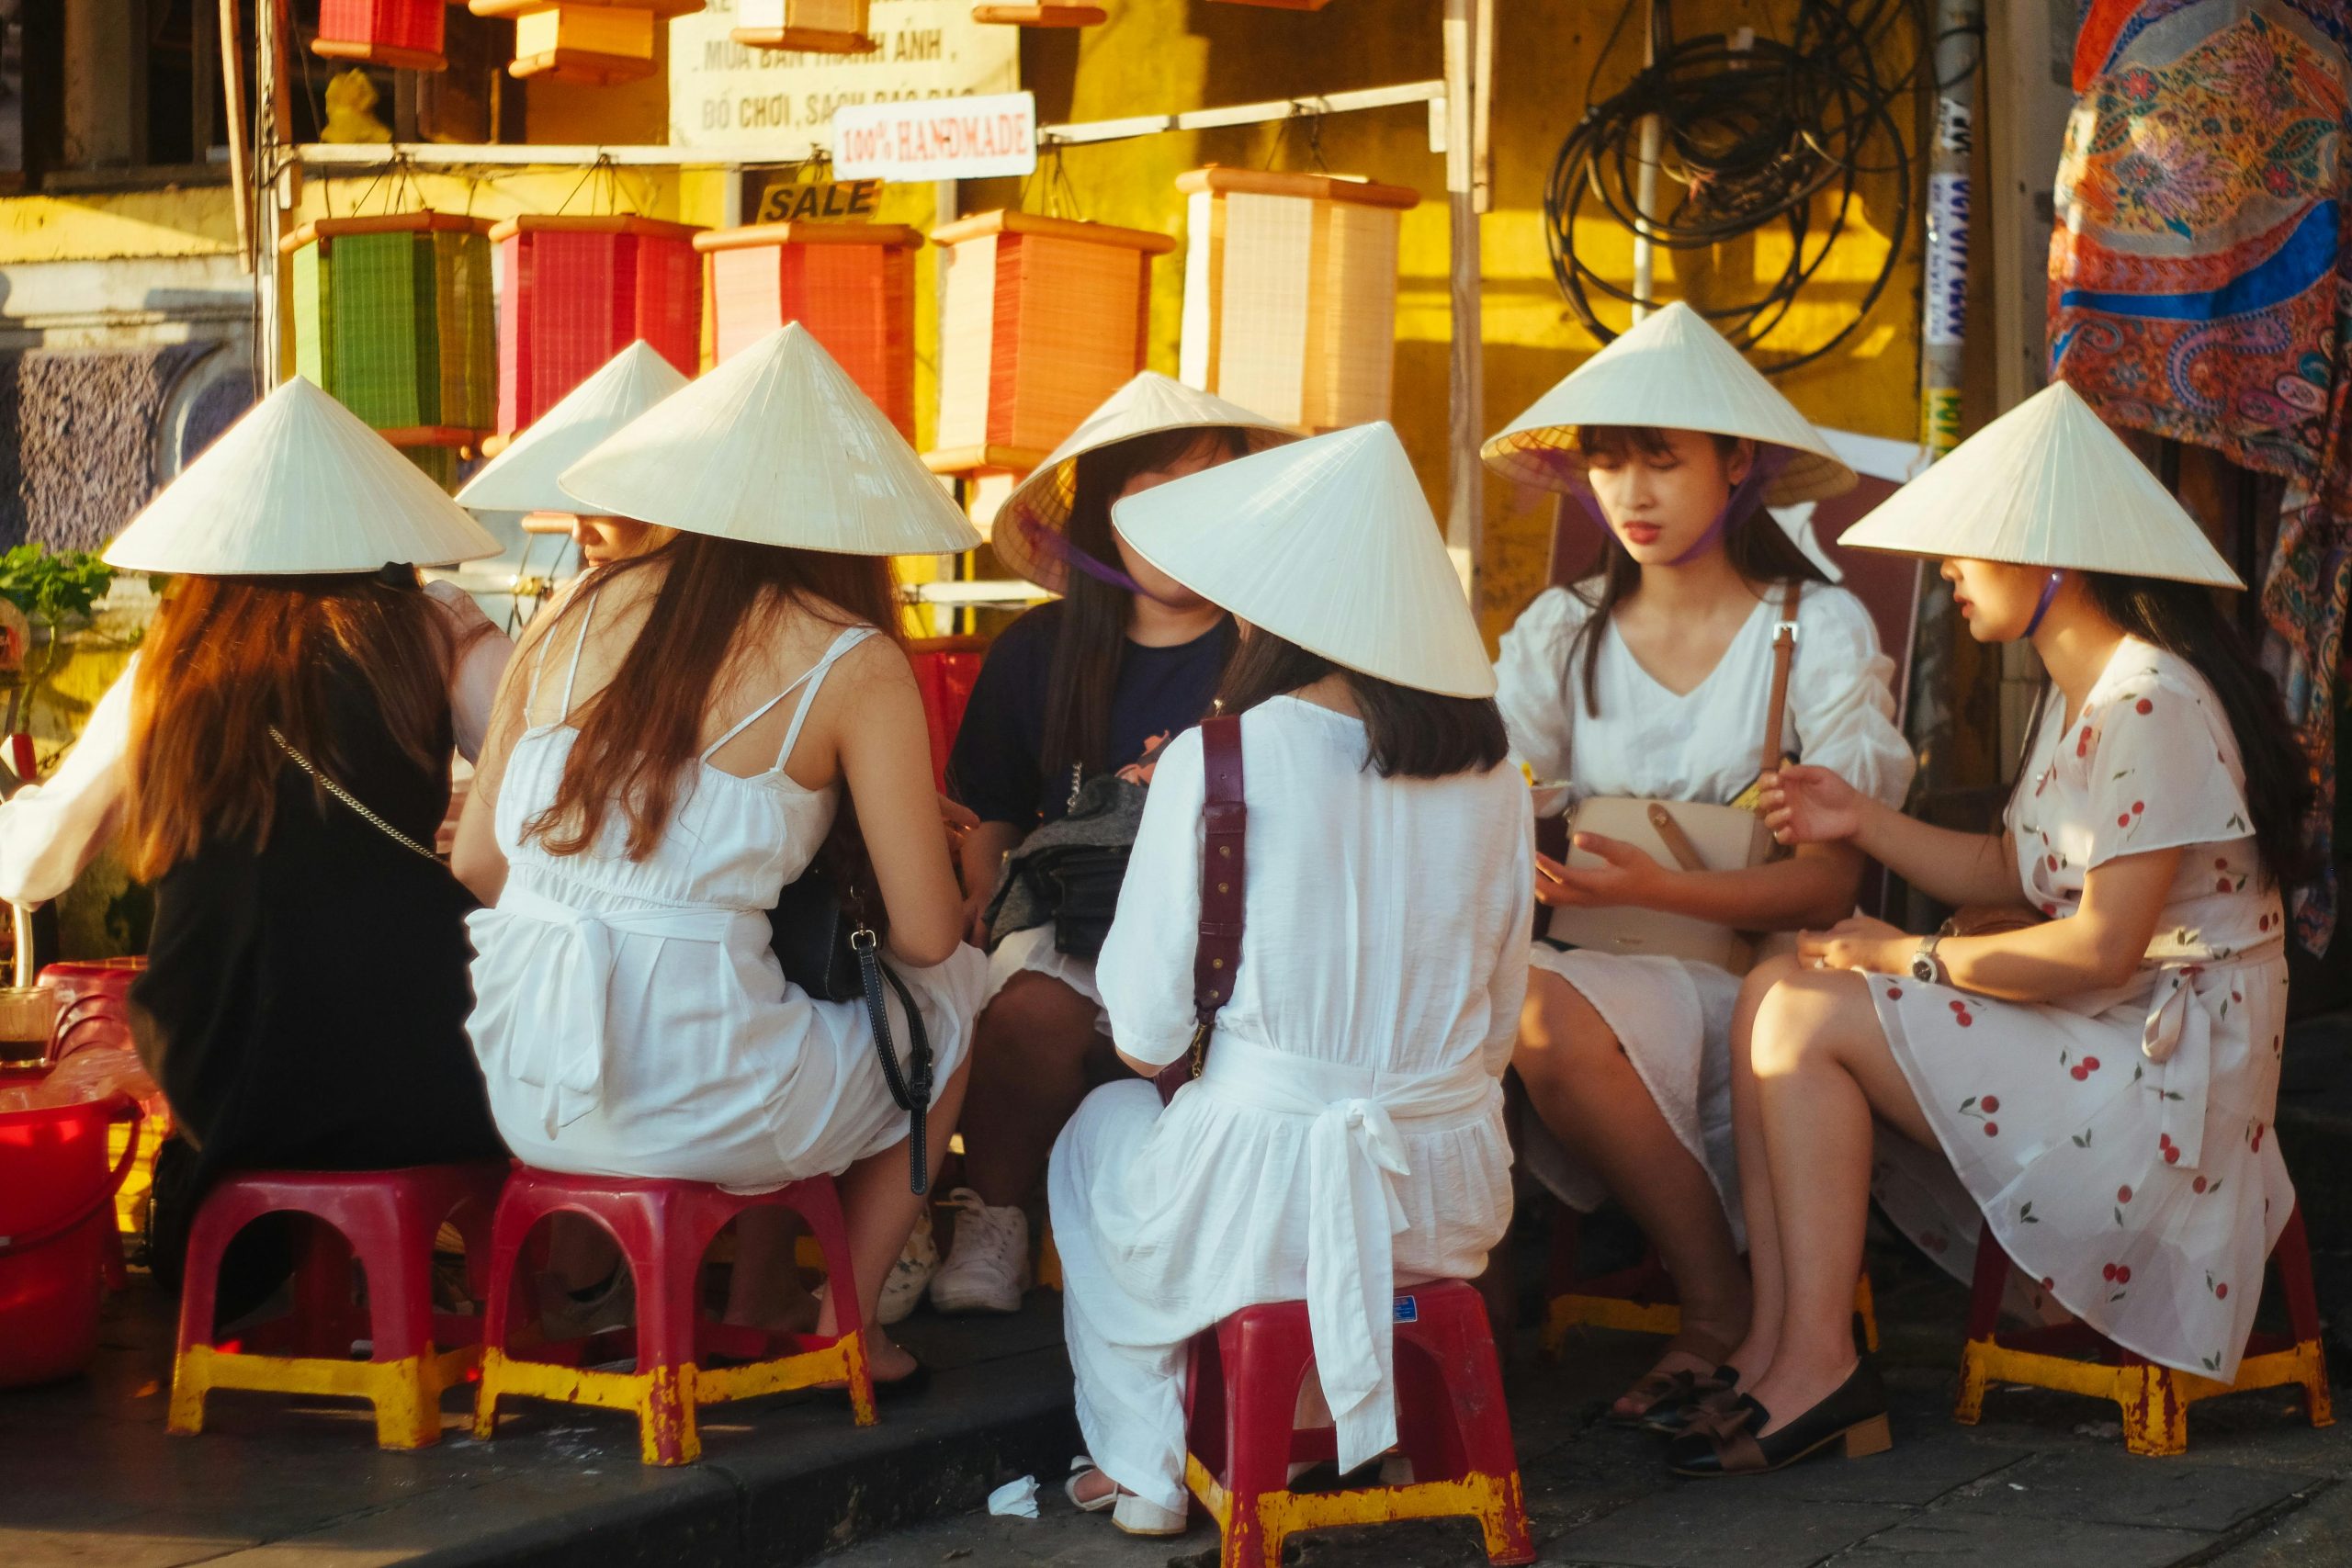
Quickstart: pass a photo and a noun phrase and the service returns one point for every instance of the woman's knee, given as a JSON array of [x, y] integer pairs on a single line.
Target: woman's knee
[[1561, 1035], [1036, 1013], [1798, 1018]]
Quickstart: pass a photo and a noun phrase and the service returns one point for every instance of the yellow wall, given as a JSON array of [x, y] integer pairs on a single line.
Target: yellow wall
[[1184, 53]]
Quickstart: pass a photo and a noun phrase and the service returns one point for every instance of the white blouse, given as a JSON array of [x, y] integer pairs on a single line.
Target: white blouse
[[50, 831], [1703, 745]]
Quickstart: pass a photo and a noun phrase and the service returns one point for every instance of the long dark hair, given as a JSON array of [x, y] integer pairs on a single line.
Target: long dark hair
[[1757, 548], [639, 734], [2182, 619], [1411, 733], [1094, 636], [227, 658]]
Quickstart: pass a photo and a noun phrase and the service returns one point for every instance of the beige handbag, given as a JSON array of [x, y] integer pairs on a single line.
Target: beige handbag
[[1684, 834]]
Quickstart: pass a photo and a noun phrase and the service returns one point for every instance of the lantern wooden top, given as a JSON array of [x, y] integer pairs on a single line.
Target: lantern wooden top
[[381, 223], [661, 8], [1220, 180], [611, 223], [981, 225], [895, 235], [1015, 460]]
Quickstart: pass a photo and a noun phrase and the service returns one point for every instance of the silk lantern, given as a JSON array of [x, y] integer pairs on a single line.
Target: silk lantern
[[405, 34], [589, 41], [575, 291], [811, 26], [1041, 320], [1290, 293], [1041, 14], [393, 316], [852, 284]]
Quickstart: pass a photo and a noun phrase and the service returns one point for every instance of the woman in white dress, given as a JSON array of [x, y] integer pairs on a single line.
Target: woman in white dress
[[2098, 1084], [672, 749], [1346, 1132], [1653, 680], [1085, 685]]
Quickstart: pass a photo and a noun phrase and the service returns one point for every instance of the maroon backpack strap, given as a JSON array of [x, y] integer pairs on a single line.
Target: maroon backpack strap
[[1217, 956]]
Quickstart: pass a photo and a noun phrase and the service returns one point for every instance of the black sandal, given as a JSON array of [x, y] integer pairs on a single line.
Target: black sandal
[[1701, 1398], [1855, 1414]]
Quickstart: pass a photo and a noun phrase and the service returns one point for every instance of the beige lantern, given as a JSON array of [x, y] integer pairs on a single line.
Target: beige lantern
[[811, 26], [1042, 319], [597, 42], [1290, 293], [1281, 5], [1041, 14]]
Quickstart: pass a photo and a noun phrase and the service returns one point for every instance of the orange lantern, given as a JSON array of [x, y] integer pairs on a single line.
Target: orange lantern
[[1043, 13], [1282, 5], [592, 41], [1042, 319], [575, 291], [405, 34], [1290, 293], [813, 27], [852, 284]]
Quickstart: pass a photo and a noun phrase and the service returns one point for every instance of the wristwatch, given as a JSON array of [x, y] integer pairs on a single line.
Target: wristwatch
[[1925, 967]]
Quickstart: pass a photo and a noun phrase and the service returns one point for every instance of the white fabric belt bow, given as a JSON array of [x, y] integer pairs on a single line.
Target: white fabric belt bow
[[2179, 1037], [564, 1059], [1354, 1155]]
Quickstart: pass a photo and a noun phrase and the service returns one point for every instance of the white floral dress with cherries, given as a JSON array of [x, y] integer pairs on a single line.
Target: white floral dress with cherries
[[2118, 1144]]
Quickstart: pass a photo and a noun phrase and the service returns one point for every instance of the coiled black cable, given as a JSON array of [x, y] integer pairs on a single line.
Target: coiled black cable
[[1753, 135]]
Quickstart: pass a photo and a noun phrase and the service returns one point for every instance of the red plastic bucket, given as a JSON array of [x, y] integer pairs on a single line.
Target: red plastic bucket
[[57, 1233]]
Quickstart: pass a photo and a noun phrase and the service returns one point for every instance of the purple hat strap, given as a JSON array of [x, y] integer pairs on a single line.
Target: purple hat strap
[[1743, 500], [2041, 606], [1053, 544]]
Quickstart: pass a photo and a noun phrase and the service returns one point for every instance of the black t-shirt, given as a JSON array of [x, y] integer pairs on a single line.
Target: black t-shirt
[[997, 767]]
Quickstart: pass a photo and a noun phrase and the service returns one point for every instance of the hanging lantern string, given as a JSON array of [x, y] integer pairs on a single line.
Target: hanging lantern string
[[603, 165], [1310, 111], [1054, 186]]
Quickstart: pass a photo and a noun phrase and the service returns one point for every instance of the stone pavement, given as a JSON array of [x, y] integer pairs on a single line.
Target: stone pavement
[[2044, 1482]]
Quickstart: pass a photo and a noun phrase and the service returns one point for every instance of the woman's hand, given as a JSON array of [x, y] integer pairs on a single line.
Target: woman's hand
[[1626, 877], [1810, 806], [959, 820], [1858, 943], [976, 917]]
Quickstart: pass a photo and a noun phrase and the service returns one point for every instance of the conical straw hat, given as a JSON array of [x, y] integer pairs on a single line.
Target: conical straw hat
[[2046, 484], [1327, 543], [298, 485], [1674, 372], [1145, 406], [522, 477], [775, 447]]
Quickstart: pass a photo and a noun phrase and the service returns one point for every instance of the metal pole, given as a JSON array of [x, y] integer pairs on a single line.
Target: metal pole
[[1465, 21], [271, 94], [1645, 178], [1942, 336]]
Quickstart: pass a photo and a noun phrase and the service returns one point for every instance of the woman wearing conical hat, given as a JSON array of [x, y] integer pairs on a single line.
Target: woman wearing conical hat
[[672, 748], [1355, 1071], [523, 476], [2096, 1085], [305, 996], [1074, 689], [1651, 678]]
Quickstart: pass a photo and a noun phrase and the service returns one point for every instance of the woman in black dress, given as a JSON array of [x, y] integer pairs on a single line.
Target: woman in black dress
[[278, 760]]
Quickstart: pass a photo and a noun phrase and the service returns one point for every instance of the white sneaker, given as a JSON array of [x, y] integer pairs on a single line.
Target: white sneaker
[[988, 1263], [902, 1288]]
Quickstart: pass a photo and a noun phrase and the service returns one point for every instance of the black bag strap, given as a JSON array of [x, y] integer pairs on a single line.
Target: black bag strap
[[910, 1090], [1216, 953]]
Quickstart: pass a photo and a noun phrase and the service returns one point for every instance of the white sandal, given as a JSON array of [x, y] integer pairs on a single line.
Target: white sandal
[[1131, 1513]]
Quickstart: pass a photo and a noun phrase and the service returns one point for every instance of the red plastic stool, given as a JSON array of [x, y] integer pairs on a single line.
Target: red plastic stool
[[2076, 1359], [388, 1219], [663, 1228], [1241, 1392]]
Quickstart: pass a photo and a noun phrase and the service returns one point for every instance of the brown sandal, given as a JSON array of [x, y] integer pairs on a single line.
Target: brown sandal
[[1655, 1389]]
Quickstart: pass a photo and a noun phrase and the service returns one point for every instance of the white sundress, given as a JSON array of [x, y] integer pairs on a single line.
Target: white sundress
[[630, 1017], [1673, 1017], [2120, 1143], [1348, 1134]]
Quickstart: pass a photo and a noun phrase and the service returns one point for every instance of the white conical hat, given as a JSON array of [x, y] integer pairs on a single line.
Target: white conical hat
[[775, 447], [1327, 543], [1145, 406], [522, 477], [298, 485], [1675, 372], [2046, 484]]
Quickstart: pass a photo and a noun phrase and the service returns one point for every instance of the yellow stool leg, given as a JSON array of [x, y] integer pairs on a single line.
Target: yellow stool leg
[[407, 1407], [2155, 1419], [2319, 1402], [190, 1385], [667, 1433], [1970, 1408], [1866, 1308]]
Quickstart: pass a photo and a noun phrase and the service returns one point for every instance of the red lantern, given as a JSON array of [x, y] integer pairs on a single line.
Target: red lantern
[[852, 284], [575, 291], [1043, 319], [405, 34]]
